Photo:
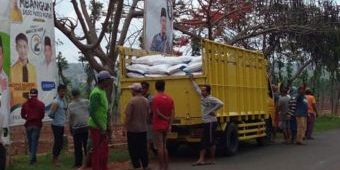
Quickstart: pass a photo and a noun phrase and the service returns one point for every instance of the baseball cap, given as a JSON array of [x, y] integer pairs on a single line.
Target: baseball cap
[[103, 75], [136, 86], [33, 92]]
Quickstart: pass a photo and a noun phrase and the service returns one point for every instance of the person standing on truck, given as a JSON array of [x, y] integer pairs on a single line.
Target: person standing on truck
[[147, 95], [209, 106], [33, 111], [98, 121], [163, 110], [136, 113], [312, 113]]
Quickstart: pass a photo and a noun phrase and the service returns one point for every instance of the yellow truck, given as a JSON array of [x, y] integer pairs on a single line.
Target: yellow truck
[[237, 77]]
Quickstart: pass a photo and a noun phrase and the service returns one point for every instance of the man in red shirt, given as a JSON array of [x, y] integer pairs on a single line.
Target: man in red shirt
[[33, 111], [163, 110]]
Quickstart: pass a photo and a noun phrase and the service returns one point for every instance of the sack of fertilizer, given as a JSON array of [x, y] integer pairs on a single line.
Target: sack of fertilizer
[[179, 73], [134, 75], [196, 59], [158, 69], [176, 68], [159, 59], [193, 67], [147, 60], [155, 75], [137, 68]]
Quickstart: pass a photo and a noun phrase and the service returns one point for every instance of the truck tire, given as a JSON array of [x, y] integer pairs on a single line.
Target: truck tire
[[263, 141], [231, 140]]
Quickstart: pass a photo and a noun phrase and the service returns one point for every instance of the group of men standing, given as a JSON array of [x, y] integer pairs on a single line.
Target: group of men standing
[[158, 112], [295, 114], [143, 111], [86, 117], [148, 120]]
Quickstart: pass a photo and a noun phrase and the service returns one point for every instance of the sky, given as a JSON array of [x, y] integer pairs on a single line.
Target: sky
[[70, 51]]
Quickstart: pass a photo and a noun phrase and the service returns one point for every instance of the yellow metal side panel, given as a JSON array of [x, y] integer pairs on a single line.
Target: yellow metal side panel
[[237, 77]]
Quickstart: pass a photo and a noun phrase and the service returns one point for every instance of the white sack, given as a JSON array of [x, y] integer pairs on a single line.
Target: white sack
[[138, 68], [179, 73], [176, 68], [159, 59], [196, 59], [158, 69], [155, 75], [134, 75], [193, 67], [148, 60]]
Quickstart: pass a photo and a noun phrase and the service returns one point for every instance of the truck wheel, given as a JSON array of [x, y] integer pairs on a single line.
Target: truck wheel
[[231, 143], [263, 141]]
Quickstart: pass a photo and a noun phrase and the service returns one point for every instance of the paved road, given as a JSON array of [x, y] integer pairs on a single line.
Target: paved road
[[323, 153]]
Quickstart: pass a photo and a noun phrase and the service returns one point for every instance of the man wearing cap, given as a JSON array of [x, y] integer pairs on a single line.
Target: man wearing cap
[[135, 124], [98, 121], [33, 111], [78, 114]]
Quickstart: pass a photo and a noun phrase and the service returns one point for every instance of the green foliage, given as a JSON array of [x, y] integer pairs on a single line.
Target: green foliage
[[96, 9], [328, 122]]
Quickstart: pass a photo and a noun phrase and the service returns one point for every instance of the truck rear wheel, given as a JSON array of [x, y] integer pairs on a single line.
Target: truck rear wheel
[[231, 140]]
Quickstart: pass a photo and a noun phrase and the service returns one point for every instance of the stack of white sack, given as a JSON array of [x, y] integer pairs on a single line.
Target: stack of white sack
[[161, 66]]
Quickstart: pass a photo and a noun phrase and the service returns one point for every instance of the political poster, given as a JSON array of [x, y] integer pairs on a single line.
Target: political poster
[[158, 26], [32, 57], [4, 71]]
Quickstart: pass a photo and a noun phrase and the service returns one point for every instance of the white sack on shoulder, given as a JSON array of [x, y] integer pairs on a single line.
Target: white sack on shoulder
[[158, 69], [138, 68], [176, 68], [194, 67]]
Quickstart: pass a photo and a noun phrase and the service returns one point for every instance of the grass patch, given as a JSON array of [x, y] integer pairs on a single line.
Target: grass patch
[[324, 123], [20, 162]]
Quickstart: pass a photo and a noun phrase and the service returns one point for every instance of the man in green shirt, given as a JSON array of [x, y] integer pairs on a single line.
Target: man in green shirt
[[98, 121]]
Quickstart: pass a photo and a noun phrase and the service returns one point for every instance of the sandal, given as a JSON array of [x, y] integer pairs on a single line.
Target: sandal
[[199, 163]]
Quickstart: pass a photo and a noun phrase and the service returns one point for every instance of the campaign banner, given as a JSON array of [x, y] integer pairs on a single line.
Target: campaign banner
[[158, 26], [4, 71], [32, 59]]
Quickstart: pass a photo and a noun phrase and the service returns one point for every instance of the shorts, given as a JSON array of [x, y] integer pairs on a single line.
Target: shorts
[[284, 124], [159, 138], [208, 138]]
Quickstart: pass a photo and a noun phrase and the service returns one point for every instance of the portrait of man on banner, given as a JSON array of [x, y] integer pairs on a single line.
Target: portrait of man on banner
[[158, 26]]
